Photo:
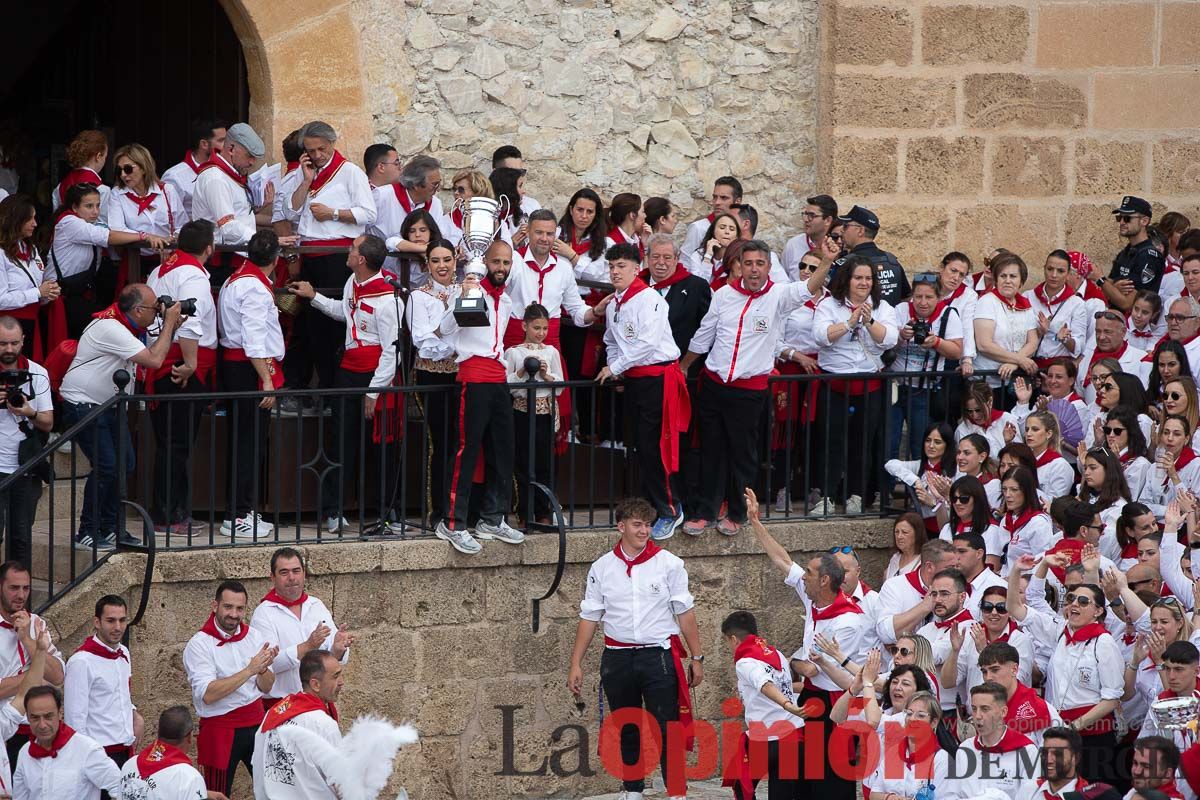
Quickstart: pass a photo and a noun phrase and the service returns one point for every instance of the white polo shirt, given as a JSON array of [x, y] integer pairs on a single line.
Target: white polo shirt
[[206, 659], [79, 772], [105, 347]]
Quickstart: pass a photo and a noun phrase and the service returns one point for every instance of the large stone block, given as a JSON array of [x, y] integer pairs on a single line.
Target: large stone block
[[873, 35], [1143, 101], [1108, 167], [1028, 167], [300, 81], [937, 165], [862, 101], [863, 166], [1029, 232], [971, 34], [917, 234], [431, 599], [1176, 166], [1091, 230], [1180, 34], [1003, 100], [1072, 35]]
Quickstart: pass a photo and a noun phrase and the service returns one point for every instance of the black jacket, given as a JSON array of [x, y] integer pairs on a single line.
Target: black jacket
[[1140, 263], [893, 283], [687, 303]]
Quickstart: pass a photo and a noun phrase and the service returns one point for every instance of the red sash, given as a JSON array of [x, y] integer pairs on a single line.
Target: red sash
[[676, 408], [1103, 725], [274, 368], [1099, 354], [206, 362], [479, 369], [364, 358], [683, 696], [1018, 303], [326, 174], [218, 162], [159, 756], [618, 236], [215, 739], [293, 706]]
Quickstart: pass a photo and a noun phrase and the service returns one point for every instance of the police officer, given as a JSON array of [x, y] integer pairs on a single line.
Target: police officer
[[859, 229], [1140, 264]]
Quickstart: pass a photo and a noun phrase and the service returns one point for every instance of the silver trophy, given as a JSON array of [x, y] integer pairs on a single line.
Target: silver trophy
[[481, 223], [1176, 713]]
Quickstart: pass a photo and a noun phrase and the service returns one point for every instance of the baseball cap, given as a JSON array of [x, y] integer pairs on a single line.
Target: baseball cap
[[243, 134], [863, 216], [1134, 205]]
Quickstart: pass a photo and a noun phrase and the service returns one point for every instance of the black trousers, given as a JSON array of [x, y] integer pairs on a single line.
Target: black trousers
[[175, 424], [247, 426], [322, 336], [78, 309], [354, 448], [777, 788], [441, 438], [13, 745], [641, 677], [485, 428], [18, 506], [241, 752], [730, 421], [830, 786], [542, 456], [844, 432], [643, 402]]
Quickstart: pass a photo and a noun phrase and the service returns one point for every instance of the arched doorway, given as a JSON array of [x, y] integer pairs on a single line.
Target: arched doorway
[[139, 70]]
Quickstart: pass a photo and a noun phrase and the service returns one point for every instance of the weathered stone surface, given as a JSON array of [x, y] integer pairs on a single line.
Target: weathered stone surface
[[423, 32], [1177, 166], [934, 165], [1180, 34], [917, 234], [462, 94], [1090, 229], [666, 26], [965, 34], [674, 134], [1108, 167], [874, 35], [999, 100], [1143, 101], [1091, 35], [1030, 232], [565, 78], [1028, 167], [873, 102], [486, 61], [863, 166]]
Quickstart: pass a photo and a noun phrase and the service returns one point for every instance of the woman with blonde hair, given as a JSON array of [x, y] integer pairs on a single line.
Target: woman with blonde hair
[[141, 203], [1056, 476], [466, 184], [1179, 397]]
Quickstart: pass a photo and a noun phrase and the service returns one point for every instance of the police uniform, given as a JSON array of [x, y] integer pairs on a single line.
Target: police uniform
[[1141, 263]]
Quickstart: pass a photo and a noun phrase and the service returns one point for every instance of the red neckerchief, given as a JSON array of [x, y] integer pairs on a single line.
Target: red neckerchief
[[1018, 303], [1039, 292], [580, 246], [957, 293], [218, 162], [97, 648], [736, 285], [675, 277], [289, 168], [112, 312], [630, 292], [456, 216], [1072, 546], [931, 466], [326, 174], [251, 270], [1013, 525], [1138, 334], [994, 417], [179, 259], [191, 162], [1129, 550], [542, 272], [1099, 354], [65, 732], [648, 552], [757, 648], [1167, 694], [24, 251], [159, 756], [840, 605], [618, 236], [405, 201], [1186, 456], [944, 624], [210, 627], [1012, 626], [275, 597], [914, 580], [1093, 630], [937, 310], [293, 706], [1048, 456], [142, 203], [1010, 741]]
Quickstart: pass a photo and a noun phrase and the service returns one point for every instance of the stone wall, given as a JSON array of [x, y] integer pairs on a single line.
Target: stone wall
[[1017, 124], [443, 639]]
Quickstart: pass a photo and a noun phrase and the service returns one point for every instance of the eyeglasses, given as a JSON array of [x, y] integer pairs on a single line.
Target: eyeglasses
[[843, 549], [903, 651], [460, 190], [1095, 527], [1081, 600], [961, 498], [837, 237], [1110, 430], [990, 608], [127, 169], [1110, 315], [1102, 385], [1173, 395], [1180, 317], [809, 216]]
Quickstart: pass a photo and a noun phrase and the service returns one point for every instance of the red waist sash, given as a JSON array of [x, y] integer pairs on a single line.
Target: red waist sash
[[478, 369], [676, 409], [215, 739], [755, 383], [364, 358]]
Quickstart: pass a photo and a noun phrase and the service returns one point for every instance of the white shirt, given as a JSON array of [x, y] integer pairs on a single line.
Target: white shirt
[[392, 205], [847, 629], [75, 248], [183, 177], [896, 596], [856, 351], [1079, 675], [176, 782], [967, 668], [57, 196], [1070, 311], [278, 624], [372, 319], [285, 187], [164, 217], [249, 319], [752, 676], [985, 580], [964, 301], [282, 768], [939, 641], [795, 249], [19, 280], [10, 720], [638, 607], [638, 331], [910, 356], [1033, 791], [79, 772], [105, 347], [798, 328], [740, 332], [994, 432], [13, 657], [1033, 538], [1012, 773], [486, 341], [908, 784], [206, 660], [11, 435], [1009, 333], [894, 568], [1056, 477], [346, 189], [96, 698], [693, 239], [1158, 491], [868, 601], [552, 286], [514, 361], [1131, 361], [224, 202], [425, 310], [187, 282]]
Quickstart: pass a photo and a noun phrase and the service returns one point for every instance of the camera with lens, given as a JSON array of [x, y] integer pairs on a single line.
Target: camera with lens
[[921, 330], [11, 381], [187, 308]]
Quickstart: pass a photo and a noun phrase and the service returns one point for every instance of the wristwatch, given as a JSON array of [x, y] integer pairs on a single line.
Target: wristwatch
[[699, 659], [1116, 601], [335, 215]]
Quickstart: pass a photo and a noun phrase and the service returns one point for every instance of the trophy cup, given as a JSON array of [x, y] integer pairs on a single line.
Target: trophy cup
[[481, 222]]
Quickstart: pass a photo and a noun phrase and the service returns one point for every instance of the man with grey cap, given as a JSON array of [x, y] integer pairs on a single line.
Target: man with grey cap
[[335, 206], [1140, 264], [859, 228]]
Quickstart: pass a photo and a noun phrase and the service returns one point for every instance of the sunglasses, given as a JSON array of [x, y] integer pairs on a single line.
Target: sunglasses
[[925, 277], [1126, 217], [837, 237], [1167, 601], [843, 549], [903, 651], [127, 169], [989, 608], [1110, 315], [1109, 430], [962, 498], [1173, 395], [1081, 600]]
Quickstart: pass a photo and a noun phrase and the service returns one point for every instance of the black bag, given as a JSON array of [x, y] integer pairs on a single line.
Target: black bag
[[76, 285], [33, 443]]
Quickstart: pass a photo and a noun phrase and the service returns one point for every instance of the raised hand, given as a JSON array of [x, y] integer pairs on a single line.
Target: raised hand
[[870, 670]]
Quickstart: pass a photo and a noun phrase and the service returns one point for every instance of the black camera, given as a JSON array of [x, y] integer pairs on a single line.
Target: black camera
[[11, 381], [187, 308], [921, 330]]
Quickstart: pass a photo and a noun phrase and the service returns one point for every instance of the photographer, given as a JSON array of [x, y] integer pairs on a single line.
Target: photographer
[[115, 339], [20, 379], [182, 279]]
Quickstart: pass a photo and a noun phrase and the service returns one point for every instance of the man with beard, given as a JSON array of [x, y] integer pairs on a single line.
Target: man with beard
[[228, 665], [818, 217], [18, 502], [283, 767], [485, 417], [1060, 779], [1139, 265], [949, 593], [18, 634], [1155, 759]]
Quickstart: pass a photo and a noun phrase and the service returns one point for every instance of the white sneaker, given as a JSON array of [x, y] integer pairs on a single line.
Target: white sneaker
[[335, 524], [822, 508], [783, 501], [504, 532], [854, 504], [631, 796], [249, 526], [462, 541]]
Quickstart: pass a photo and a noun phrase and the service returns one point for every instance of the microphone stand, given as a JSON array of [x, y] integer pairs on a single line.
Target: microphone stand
[[400, 363]]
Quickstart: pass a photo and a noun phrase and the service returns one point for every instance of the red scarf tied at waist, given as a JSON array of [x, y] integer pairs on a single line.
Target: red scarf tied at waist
[[676, 406], [293, 706], [215, 739]]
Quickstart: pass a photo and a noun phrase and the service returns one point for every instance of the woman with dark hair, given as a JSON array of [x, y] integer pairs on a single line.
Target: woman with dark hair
[[1169, 361], [954, 288], [22, 290], [853, 327], [661, 215], [1027, 525], [937, 457], [1104, 487], [711, 260], [508, 184], [921, 767], [1118, 389], [581, 235], [1135, 521], [908, 537], [626, 222], [973, 457], [1123, 436], [1175, 465], [1173, 226], [419, 227], [979, 415], [968, 510], [1146, 323]]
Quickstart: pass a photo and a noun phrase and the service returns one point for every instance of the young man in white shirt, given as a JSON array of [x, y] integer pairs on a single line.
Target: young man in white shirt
[[296, 622], [727, 190], [817, 217], [164, 771], [949, 592], [998, 757], [208, 137], [18, 503], [640, 592], [284, 766], [228, 665], [96, 691], [58, 763], [1062, 752], [904, 601]]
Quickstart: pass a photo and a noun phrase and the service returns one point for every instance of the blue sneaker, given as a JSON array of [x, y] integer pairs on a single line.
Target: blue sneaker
[[665, 527]]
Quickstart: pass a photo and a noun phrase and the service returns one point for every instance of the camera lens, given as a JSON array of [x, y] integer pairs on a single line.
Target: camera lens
[[187, 307]]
